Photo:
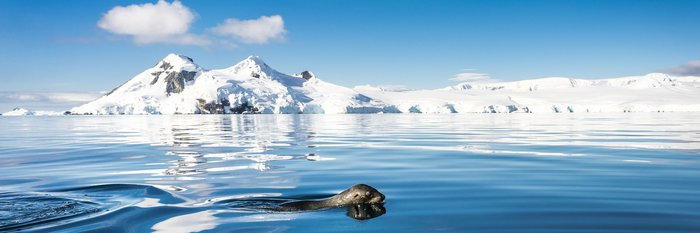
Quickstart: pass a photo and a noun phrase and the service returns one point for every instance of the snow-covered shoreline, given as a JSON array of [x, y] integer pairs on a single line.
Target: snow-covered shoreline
[[27, 112], [649, 93], [176, 85]]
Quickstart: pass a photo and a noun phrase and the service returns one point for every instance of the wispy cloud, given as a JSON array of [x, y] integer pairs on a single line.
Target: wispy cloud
[[256, 31], [53, 101], [148, 23], [691, 68], [472, 77]]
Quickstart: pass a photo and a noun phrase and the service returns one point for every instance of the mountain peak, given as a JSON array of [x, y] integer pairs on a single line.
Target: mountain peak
[[254, 65], [252, 61], [660, 76], [255, 59], [175, 59]]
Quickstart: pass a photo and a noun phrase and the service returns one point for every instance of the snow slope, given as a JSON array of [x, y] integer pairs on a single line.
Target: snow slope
[[650, 93], [176, 85]]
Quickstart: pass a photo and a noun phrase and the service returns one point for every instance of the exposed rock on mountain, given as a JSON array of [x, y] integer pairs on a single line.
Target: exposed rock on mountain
[[176, 85]]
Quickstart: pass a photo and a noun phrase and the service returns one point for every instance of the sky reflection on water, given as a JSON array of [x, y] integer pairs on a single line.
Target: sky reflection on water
[[469, 172]]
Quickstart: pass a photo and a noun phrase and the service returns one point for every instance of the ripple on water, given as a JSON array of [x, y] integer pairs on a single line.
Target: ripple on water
[[459, 173], [28, 210], [25, 210]]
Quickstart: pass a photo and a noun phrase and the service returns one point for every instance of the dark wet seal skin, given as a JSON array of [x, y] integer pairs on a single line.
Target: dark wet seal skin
[[359, 194], [362, 202]]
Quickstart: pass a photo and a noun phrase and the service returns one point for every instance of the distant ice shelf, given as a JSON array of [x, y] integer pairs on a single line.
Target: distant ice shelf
[[649, 93], [27, 112]]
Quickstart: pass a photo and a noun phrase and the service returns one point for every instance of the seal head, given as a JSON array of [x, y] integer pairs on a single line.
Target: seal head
[[358, 194]]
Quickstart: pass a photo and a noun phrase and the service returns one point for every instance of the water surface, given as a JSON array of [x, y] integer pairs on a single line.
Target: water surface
[[449, 173]]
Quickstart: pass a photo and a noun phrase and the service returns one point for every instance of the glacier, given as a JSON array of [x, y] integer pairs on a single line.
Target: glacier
[[177, 85]]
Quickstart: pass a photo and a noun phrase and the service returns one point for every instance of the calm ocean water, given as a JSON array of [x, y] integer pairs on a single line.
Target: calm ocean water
[[440, 173]]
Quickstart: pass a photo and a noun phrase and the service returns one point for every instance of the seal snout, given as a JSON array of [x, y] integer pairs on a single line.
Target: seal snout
[[373, 195], [378, 198]]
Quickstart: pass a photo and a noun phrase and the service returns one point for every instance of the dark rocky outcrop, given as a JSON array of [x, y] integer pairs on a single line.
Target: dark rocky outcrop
[[165, 66], [209, 107], [223, 107], [212, 107], [155, 75], [245, 108], [512, 108], [307, 75], [175, 81]]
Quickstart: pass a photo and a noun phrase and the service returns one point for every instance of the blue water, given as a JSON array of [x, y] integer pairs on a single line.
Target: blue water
[[440, 173]]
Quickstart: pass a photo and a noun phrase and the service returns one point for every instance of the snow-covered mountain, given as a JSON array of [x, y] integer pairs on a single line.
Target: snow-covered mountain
[[652, 80], [176, 85], [650, 93], [27, 112]]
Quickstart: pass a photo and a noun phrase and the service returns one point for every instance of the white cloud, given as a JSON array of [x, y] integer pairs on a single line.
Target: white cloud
[[472, 77], [254, 31], [169, 23], [72, 96], [22, 97], [148, 23], [691, 68]]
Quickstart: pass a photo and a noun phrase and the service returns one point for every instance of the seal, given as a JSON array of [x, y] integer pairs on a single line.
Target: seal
[[359, 194]]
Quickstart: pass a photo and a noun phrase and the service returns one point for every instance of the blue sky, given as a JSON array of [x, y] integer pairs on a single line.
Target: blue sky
[[58, 46]]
